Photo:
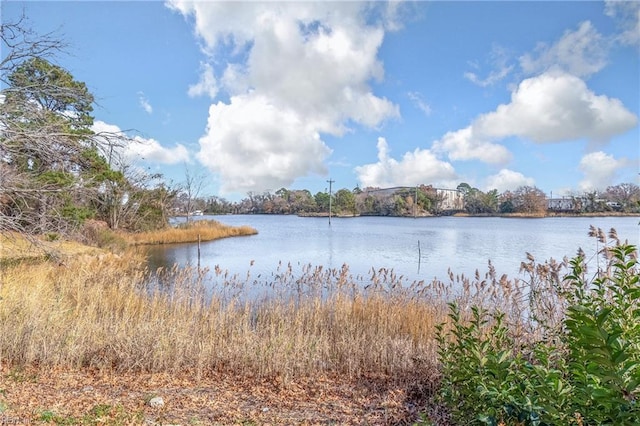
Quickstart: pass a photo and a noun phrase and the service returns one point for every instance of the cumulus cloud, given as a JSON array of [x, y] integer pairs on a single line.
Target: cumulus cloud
[[556, 107], [144, 103], [600, 170], [310, 63], [507, 180], [151, 150], [239, 145], [419, 166], [627, 13], [582, 53], [207, 85], [552, 107], [465, 144], [138, 148]]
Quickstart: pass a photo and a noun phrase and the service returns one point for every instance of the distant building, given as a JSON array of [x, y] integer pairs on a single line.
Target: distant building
[[614, 205], [561, 204], [452, 199], [385, 192]]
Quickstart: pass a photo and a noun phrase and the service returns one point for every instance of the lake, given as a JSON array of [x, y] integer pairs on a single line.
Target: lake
[[417, 249]]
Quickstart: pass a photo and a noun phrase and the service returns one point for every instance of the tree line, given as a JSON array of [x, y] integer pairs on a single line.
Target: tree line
[[421, 200]]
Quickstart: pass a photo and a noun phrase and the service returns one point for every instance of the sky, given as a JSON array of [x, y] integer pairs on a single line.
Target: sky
[[256, 96]]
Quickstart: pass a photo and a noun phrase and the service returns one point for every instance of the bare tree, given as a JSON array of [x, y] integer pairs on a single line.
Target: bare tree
[[530, 199], [192, 186], [20, 44], [627, 195]]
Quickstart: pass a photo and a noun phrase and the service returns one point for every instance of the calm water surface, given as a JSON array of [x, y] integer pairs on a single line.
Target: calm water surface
[[464, 244]]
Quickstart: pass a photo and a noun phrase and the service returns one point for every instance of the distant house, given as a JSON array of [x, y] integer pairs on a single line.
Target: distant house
[[614, 205], [385, 192], [561, 204], [452, 199]]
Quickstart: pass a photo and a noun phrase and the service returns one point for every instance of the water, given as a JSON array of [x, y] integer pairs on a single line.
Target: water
[[464, 244]]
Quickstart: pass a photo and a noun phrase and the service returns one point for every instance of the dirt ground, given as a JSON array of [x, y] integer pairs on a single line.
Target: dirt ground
[[30, 397]]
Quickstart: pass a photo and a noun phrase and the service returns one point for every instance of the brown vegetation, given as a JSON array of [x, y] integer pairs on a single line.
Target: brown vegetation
[[96, 236], [200, 230], [101, 313], [16, 247], [107, 398], [108, 316]]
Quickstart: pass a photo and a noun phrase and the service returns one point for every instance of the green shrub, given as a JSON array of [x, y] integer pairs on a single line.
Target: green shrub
[[586, 373], [603, 335]]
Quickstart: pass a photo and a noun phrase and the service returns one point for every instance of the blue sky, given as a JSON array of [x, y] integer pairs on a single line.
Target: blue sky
[[263, 95]]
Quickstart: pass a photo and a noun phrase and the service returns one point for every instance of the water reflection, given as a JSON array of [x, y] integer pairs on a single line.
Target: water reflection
[[369, 244]]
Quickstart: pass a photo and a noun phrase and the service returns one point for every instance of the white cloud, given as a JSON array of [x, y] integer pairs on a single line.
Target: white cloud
[[417, 100], [464, 145], [507, 180], [556, 107], [309, 62], [628, 15], [417, 167], [501, 68], [494, 77], [582, 53], [151, 150], [393, 14], [600, 170], [553, 107], [139, 148], [268, 151], [207, 85], [144, 103], [102, 127]]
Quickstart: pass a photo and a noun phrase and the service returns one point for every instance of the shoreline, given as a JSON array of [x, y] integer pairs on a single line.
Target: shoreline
[[17, 248], [462, 214]]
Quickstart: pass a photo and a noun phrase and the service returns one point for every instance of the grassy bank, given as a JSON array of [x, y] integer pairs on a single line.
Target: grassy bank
[[200, 230], [99, 240], [15, 248]]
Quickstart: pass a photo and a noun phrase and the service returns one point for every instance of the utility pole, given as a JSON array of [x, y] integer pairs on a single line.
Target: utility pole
[[330, 183]]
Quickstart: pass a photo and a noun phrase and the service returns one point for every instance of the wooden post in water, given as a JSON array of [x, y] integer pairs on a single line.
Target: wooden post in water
[[198, 251], [330, 183], [419, 256]]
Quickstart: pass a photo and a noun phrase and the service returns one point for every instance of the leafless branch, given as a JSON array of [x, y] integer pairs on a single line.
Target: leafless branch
[[22, 43]]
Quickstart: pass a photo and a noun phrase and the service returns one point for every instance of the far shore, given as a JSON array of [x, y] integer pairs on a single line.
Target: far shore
[[465, 214]]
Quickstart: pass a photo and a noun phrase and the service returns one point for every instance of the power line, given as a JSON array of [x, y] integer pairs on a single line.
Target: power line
[[330, 181]]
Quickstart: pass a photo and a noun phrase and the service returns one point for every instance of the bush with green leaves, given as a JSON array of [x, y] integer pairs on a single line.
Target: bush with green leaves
[[587, 372]]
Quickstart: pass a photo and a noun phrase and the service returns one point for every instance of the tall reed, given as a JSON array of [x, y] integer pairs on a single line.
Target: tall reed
[[108, 312], [101, 313]]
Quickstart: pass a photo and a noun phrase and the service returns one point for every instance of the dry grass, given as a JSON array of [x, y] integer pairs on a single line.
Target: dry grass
[[99, 312], [99, 316], [15, 248], [200, 230], [107, 313]]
